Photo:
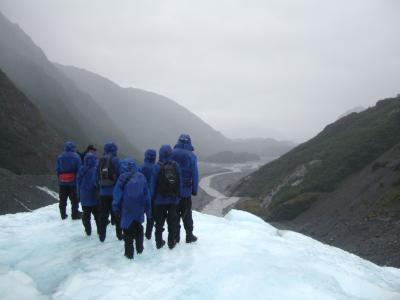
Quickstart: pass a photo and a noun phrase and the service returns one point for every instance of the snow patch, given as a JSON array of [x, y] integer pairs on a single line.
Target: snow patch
[[48, 191], [17, 285], [236, 257]]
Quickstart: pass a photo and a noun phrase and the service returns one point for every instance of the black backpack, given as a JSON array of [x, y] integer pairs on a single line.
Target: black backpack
[[168, 180], [107, 173]]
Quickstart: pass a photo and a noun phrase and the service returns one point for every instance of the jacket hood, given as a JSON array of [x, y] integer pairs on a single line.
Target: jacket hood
[[69, 147], [128, 165], [150, 156], [184, 142], [90, 160], [110, 148], [164, 153]]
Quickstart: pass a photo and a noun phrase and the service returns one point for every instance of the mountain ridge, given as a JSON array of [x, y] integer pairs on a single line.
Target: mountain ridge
[[292, 189], [27, 140], [159, 118], [70, 111]]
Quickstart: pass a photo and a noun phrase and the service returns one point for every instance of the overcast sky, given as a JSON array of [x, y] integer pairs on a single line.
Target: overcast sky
[[249, 68]]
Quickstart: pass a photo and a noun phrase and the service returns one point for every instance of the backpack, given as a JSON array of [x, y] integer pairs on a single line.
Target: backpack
[[107, 173], [168, 180]]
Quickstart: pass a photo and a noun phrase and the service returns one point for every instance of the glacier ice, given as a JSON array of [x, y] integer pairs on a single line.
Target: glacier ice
[[237, 257]]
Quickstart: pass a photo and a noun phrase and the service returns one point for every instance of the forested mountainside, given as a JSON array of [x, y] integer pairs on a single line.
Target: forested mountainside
[[341, 186]]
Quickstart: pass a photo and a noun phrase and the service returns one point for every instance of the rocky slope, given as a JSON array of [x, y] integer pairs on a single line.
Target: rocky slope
[[72, 113], [23, 193], [28, 149], [363, 214], [341, 187], [27, 142]]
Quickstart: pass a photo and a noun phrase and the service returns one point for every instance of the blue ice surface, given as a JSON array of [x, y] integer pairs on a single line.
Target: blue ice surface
[[236, 257]]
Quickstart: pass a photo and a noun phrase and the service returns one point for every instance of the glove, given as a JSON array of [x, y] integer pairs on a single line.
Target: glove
[[194, 194]]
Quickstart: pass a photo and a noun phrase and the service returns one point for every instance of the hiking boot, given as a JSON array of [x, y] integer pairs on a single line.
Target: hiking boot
[[119, 234], [191, 238], [102, 237], [149, 229], [129, 256], [139, 250], [177, 239], [171, 241], [148, 235], [160, 244], [171, 245], [76, 215], [88, 231], [63, 213]]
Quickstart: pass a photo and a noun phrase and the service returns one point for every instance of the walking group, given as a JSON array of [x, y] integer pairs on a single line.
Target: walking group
[[121, 193]]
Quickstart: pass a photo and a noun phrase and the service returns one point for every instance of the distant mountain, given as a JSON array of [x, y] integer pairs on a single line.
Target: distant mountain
[[351, 111], [229, 157], [27, 141], [88, 108], [148, 119], [262, 146], [343, 181], [72, 113]]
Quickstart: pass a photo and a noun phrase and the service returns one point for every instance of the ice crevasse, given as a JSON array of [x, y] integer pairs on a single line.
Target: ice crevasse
[[237, 257]]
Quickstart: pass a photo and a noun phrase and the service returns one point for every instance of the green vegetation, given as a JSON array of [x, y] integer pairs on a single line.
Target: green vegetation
[[341, 149], [251, 206], [391, 200]]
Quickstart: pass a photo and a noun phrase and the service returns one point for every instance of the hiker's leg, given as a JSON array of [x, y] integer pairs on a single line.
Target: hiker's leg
[[86, 215], [128, 242], [63, 196], [172, 226], [138, 234], [160, 216]]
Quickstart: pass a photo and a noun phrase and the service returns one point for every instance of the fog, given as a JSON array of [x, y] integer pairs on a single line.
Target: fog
[[278, 68]]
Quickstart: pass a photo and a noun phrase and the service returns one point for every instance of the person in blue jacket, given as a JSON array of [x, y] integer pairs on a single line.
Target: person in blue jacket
[[107, 175], [165, 188], [147, 170], [87, 192], [187, 160], [67, 166], [131, 200]]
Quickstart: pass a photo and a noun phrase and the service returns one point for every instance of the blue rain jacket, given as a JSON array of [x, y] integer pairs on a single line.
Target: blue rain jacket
[[131, 197], [147, 167], [187, 160], [86, 181], [164, 156], [68, 162]]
